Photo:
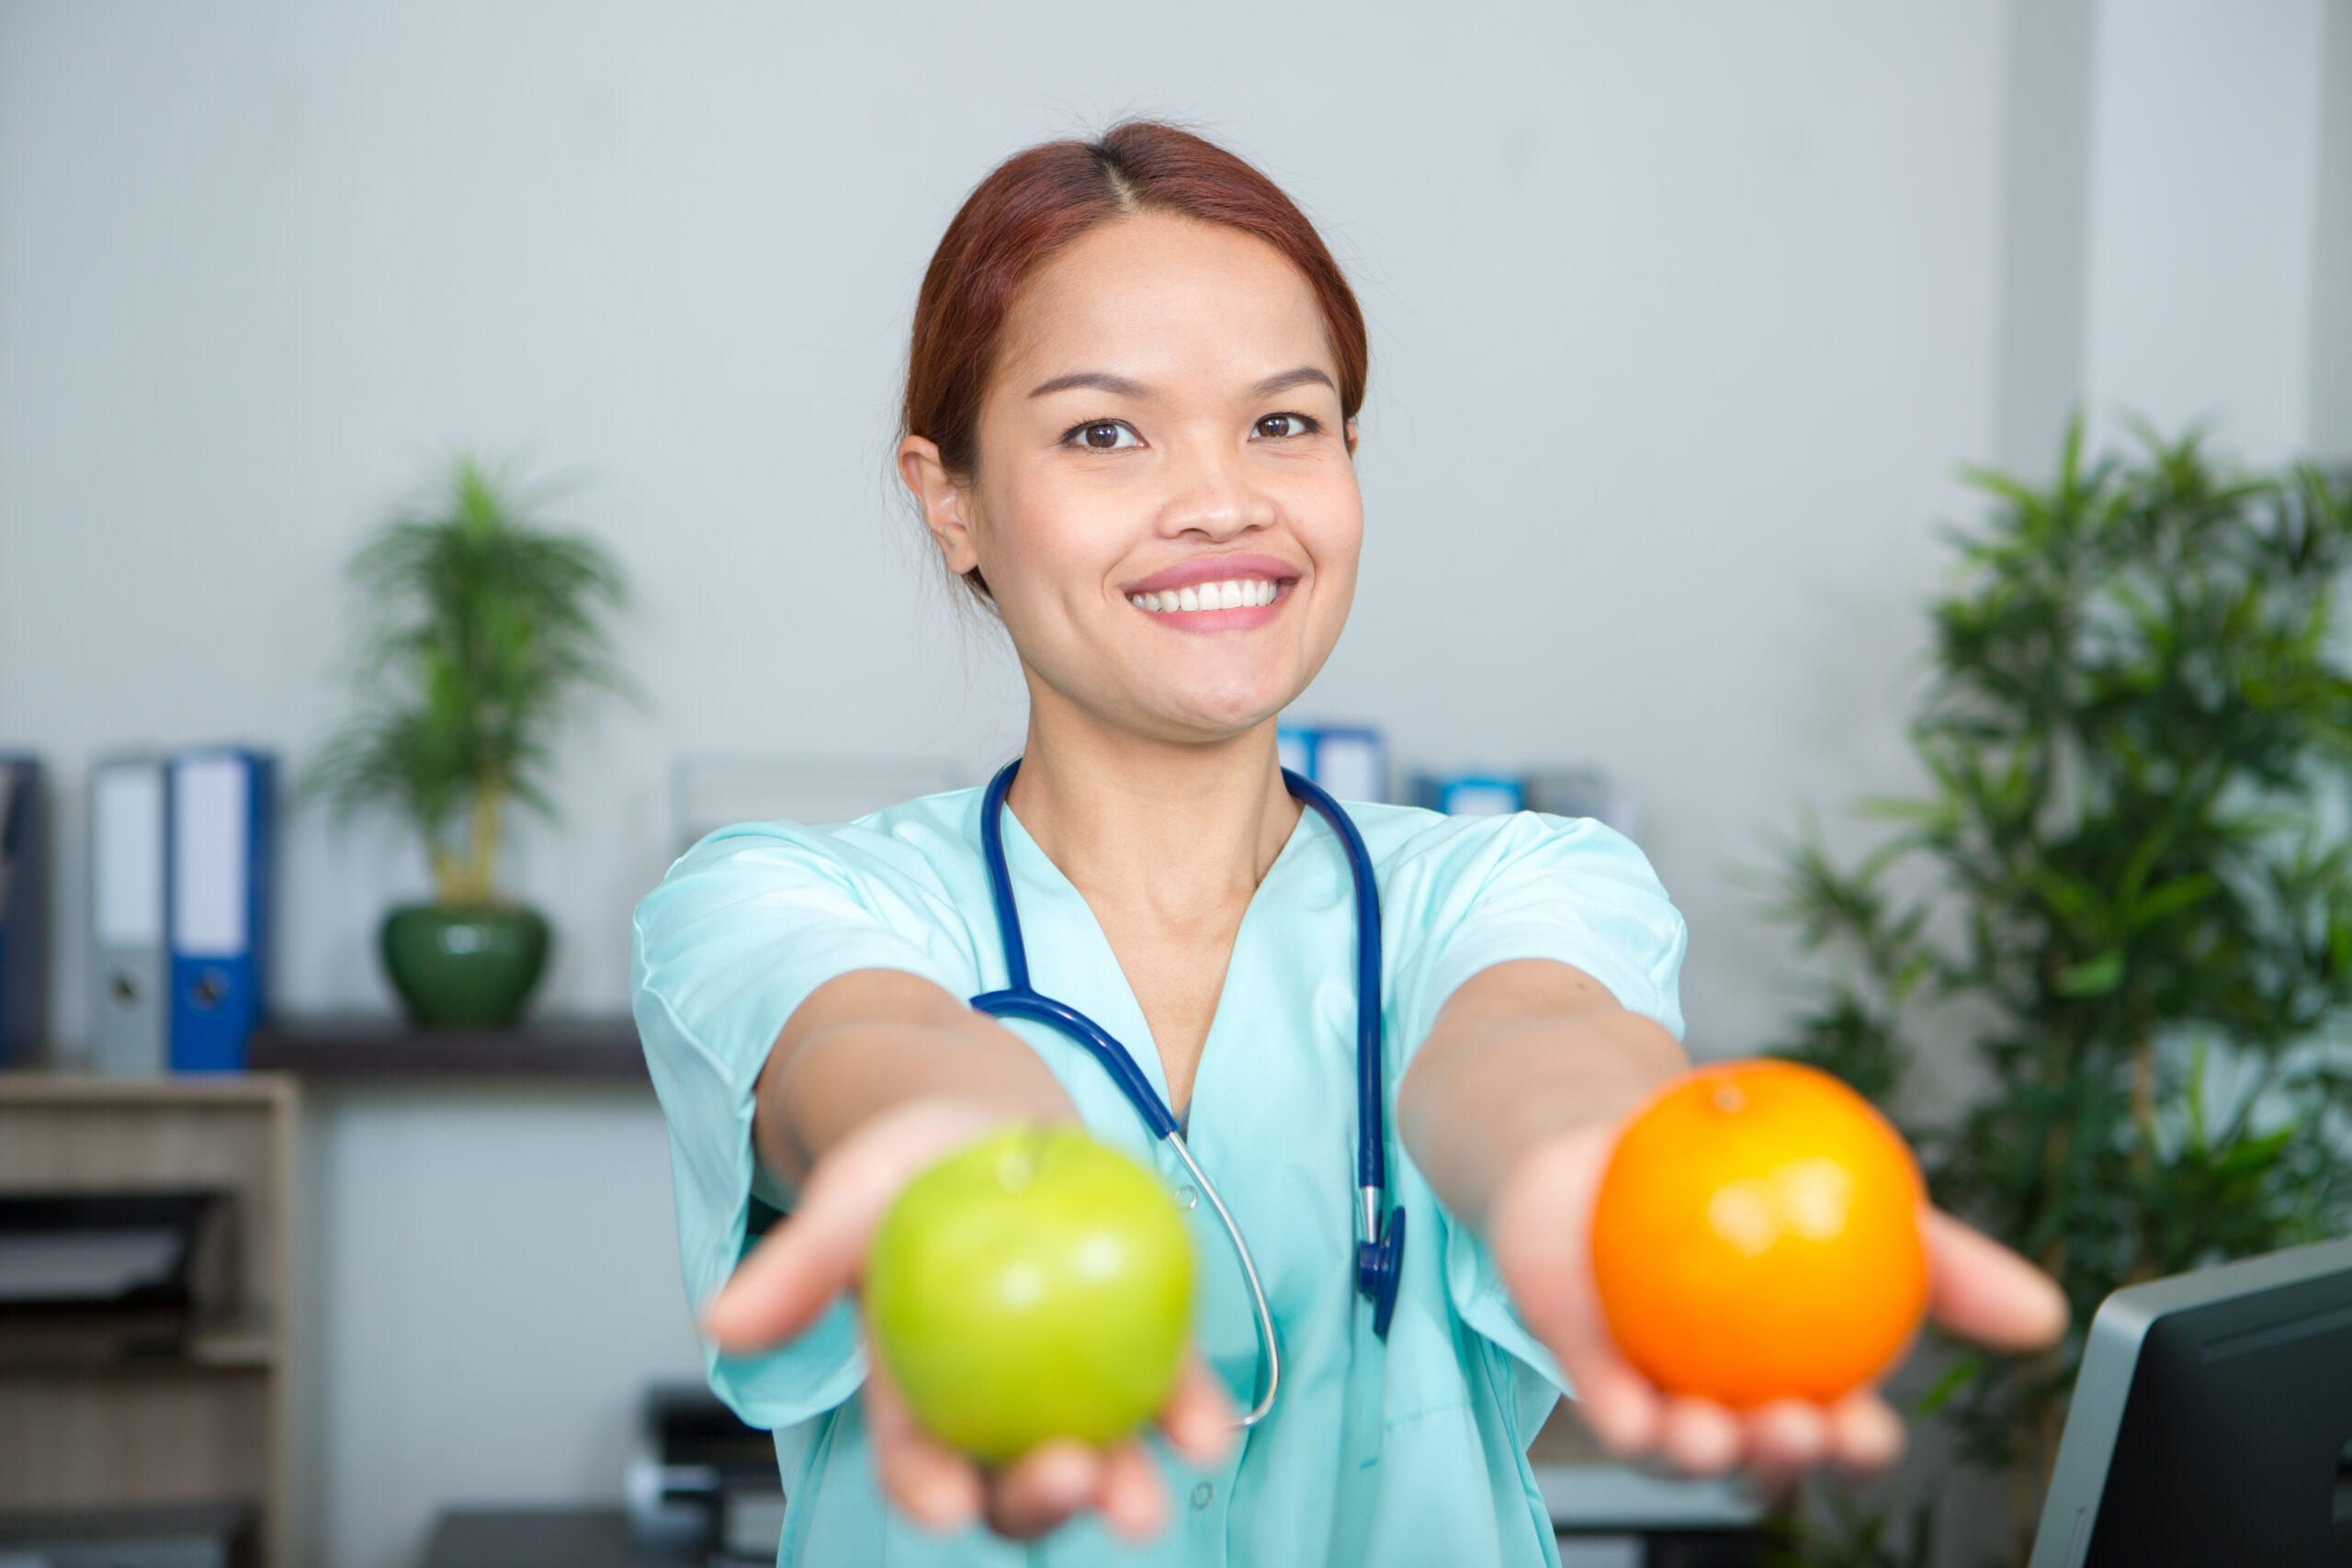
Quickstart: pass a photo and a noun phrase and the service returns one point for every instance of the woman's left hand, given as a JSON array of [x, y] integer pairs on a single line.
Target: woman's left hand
[[1539, 1228]]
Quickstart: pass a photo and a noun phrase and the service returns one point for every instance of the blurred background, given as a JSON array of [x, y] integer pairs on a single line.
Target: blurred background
[[1685, 319]]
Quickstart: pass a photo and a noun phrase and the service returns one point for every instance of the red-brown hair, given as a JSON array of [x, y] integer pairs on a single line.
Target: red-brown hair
[[1039, 200]]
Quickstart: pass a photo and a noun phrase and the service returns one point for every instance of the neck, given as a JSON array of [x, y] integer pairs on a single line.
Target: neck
[[1179, 825]]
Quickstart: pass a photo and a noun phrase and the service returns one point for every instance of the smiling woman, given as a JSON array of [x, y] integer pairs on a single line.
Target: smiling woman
[[1130, 426], [1164, 414]]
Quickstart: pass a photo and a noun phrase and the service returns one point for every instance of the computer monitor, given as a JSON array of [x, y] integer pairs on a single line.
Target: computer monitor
[[2213, 1422]]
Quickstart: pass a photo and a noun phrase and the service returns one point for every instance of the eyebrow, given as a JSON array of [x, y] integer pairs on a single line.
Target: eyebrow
[[1304, 375], [1120, 386], [1101, 380]]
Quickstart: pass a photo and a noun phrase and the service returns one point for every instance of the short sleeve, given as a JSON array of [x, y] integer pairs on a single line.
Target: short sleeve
[[745, 927], [1495, 890], [1568, 889]]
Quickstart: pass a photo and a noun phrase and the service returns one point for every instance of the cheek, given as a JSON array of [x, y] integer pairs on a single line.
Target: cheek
[[1331, 526], [1043, 538]]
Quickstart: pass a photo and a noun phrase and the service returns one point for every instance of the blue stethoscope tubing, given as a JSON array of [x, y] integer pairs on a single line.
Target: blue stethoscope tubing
[[1380, 1251]]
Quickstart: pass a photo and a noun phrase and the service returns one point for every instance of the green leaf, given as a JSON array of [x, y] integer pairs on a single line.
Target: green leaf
[[2092, 976], [1956, 1377], [2180, 893]]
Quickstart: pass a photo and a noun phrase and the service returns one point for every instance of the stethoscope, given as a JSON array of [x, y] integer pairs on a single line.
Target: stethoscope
[[1380, 1252]]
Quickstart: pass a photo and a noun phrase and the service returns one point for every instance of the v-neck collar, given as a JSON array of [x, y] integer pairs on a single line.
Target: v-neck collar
[[1116, 1008]]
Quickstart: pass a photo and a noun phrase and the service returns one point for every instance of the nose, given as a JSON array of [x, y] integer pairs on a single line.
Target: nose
[[1211, 495]]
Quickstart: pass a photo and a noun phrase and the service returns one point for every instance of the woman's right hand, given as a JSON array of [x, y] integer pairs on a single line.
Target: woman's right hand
[[818, 1251]]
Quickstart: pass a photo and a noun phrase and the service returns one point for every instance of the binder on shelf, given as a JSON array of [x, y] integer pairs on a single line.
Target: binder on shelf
[[1350, 761], [128, 835], [24, 912], [220, 825], [1469, 794]]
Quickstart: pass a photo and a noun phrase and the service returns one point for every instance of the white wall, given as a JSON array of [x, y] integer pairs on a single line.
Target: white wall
[[2204, 217], [1683, 318], [499, 1276], [2331, 337], [2045, 183], [1698, 302]]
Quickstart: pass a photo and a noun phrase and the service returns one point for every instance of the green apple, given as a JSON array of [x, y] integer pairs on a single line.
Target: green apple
[[1034, 1284]]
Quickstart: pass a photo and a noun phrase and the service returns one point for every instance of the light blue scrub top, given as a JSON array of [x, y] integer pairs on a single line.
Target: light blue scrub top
[[1411, 1453]]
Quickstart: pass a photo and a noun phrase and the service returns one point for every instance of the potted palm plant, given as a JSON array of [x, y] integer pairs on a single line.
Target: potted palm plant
[[2129, 883], [483, 630]]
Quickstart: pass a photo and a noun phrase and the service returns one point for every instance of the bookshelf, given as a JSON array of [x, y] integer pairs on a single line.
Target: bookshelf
[[206, 1426], [360, 1050]]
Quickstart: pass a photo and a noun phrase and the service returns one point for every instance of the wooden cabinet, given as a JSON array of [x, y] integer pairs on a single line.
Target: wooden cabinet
[[207, 1425]]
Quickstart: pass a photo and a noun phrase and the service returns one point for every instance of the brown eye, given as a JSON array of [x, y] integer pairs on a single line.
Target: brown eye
[[1275, 425], [1104, 436]]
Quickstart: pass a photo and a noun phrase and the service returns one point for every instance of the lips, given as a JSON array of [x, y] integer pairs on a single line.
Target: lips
[[1216, 569]]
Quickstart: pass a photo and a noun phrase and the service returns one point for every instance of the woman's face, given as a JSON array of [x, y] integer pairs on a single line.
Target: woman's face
[[1165, 503]]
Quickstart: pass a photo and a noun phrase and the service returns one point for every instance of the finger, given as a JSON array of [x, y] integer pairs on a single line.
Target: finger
[[1038, 1492], [1131, 1498], [1865, 1434], [815, 1255], [1198, 1420], [1624, 1411], [1982, 1290], [1786, 1437], [778, 1290], [1623, 1408], [1700, 1437], [932, 1483]]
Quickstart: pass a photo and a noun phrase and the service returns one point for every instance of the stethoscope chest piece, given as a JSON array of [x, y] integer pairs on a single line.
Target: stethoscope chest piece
[[1380, 1267]]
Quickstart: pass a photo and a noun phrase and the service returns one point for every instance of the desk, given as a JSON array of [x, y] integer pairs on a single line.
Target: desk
[[538, 1538], [598, 1538]]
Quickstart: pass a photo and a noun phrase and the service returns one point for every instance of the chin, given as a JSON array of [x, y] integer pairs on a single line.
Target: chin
[[1223, 715]]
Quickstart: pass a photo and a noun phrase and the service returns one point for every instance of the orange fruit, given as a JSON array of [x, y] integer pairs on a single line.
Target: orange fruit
[[1757, 1237]]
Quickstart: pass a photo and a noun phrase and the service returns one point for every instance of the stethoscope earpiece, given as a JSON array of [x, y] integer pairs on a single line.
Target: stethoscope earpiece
[[1380, 1258]]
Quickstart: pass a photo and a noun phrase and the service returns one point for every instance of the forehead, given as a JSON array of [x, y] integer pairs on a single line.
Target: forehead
[[1157, 288]]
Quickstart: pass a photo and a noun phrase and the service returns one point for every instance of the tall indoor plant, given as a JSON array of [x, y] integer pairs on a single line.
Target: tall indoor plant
[[2131, 882], [483, 629]]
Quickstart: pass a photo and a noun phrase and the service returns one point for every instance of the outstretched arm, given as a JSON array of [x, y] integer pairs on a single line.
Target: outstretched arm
[[874, 1077], [1510, 1109], [873, 1040]]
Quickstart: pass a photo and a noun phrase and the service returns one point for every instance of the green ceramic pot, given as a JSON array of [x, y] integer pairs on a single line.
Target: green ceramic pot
[[457, 964]]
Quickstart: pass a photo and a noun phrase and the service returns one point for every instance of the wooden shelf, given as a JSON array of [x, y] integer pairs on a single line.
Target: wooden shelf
[[334, 1049], [41, 1086], [211, 1422], [249, 1340]]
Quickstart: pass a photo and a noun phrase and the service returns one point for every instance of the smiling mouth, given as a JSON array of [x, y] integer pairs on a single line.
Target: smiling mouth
[[1238, 593]]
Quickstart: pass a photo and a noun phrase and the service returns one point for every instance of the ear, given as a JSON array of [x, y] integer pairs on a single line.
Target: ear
[[941, 500], [1351, 438]]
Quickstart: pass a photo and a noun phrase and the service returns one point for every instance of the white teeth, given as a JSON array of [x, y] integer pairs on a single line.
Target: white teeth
[[1233, 595]]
